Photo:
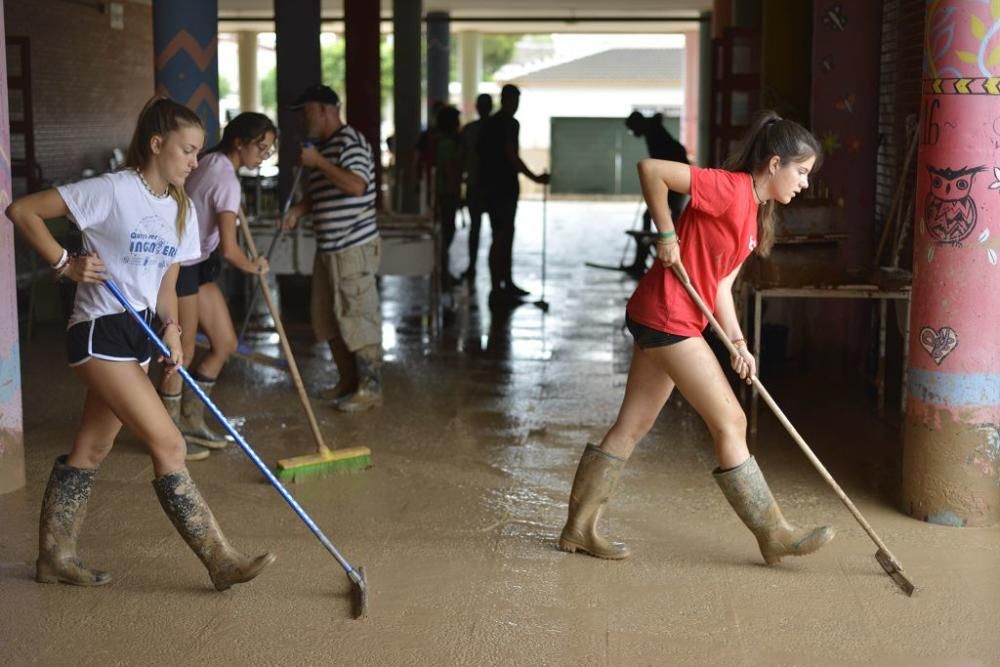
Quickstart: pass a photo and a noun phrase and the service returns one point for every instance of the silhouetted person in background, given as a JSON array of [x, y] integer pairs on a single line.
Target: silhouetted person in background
[[661, 145], [426, 144], [474, 199], [500, 165], [448, 163]]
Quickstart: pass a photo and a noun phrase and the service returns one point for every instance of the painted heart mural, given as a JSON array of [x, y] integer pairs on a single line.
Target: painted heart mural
[[940, 343]]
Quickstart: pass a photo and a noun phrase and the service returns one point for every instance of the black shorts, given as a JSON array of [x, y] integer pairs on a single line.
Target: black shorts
[[190, 278], [111, 337], [646, 338]]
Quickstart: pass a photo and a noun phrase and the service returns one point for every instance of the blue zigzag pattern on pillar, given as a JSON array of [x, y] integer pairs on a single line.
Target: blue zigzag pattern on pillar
[[185, 43]]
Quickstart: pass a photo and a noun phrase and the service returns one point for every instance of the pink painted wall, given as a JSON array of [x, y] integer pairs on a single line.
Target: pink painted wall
[[11, 421], [844, 117], [952, 441], [846, 43]]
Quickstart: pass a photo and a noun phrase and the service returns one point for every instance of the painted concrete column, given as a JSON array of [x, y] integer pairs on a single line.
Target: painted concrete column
[[186, 52], [246, 44], [363, 68], [406, 16], [692, 82], [438, 59], [11, 418], [297, 27], [951, 442], [471, 52]]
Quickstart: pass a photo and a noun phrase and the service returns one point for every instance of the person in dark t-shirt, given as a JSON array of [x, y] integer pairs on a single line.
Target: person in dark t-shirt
[[499, 165], [661, 146]]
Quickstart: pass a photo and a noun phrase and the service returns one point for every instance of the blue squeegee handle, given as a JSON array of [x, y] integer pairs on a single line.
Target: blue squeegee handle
[[165, 351]]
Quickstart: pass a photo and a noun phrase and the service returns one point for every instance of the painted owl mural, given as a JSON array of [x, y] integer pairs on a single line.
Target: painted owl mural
[[949, 209]]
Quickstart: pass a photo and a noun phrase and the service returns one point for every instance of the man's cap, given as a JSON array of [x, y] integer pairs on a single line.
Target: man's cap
[[318, 93]]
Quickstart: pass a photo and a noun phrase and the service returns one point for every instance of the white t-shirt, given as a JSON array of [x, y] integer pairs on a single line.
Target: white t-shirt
[[213, 188], [133, 232]]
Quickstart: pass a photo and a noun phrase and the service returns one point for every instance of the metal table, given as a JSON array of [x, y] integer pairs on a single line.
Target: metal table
[[836, 292]]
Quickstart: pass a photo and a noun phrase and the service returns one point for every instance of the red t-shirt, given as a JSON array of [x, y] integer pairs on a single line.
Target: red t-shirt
[[717, 231]]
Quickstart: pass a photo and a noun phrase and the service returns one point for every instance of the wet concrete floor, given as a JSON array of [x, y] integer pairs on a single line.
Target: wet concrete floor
[[457, 520]]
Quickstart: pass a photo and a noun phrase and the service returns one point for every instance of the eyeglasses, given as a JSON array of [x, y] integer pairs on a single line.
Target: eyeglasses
[[265, 150]]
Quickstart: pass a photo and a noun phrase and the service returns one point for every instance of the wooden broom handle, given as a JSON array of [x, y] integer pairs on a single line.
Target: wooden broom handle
[[799, 440], [283, 338]]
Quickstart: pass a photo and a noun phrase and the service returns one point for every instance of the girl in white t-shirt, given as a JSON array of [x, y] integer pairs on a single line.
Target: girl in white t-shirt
[[214, 189], [137, 226]]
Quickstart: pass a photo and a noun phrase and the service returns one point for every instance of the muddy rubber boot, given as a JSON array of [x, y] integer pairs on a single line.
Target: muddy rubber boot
[[747, 491], [192, 518], [63, 510], [368, 395], [173, 406], [193, 426], [347, 374], [595, 480]]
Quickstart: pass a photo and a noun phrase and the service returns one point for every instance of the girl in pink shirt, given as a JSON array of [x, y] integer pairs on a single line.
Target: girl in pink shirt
[[730, 215], [215, 192]]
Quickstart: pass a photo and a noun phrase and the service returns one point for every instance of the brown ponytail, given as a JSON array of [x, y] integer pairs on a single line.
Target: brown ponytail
[[771, 135], [161, 116]]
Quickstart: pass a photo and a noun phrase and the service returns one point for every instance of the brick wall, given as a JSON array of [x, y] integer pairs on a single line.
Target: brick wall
[[89, 81]]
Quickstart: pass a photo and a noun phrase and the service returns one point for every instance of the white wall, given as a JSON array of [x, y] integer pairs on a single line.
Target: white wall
[[540, 105]]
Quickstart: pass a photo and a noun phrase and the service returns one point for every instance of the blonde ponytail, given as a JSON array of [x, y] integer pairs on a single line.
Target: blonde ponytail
[[160, 117]]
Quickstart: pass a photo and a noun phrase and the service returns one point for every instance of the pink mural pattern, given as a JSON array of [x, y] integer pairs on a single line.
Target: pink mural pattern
[[962, 41]]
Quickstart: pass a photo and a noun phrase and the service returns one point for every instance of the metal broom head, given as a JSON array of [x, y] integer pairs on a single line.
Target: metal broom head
[[360, 593]]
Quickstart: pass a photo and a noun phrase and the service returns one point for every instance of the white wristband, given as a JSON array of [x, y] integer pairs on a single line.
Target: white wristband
[[63, 261]]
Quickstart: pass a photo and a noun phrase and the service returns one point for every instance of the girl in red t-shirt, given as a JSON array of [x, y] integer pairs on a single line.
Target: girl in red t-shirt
[[730, 215]]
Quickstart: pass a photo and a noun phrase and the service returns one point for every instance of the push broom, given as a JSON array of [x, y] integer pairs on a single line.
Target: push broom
[[324, 460], [359, 580], [884, 557], [542, 304]]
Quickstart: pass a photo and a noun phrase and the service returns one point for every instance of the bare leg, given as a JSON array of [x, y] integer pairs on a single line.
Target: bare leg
[[693, 366], [695, 370], [214, 320], [123, 389], [646, 392]]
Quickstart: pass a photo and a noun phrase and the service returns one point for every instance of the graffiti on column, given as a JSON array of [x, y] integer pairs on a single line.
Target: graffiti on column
[[949, 209], [833, 18], [846, 103], [938, 344], [986, 457]]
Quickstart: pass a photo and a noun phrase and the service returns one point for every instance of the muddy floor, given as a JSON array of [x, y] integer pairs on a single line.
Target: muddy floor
[[457, 520]]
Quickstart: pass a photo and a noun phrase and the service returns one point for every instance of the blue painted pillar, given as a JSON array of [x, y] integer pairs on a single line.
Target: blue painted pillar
[[363, 76], [951, 437], [406, 30], [11, 420], [296, 26], [438, 60], [186, 52]]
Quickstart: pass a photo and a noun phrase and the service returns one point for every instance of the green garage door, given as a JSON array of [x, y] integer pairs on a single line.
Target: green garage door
[[597, 156]]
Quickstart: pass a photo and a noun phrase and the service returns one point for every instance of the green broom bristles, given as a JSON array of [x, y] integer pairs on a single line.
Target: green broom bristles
[[311, 466]]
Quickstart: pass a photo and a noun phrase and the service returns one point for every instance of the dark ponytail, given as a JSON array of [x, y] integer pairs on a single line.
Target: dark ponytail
[[771, 135], [247, 127]]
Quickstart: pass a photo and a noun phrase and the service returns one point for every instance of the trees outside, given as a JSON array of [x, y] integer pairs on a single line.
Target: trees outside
[[332, 59]]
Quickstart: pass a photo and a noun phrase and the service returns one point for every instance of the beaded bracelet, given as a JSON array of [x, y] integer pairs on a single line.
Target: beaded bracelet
[[167, 324]]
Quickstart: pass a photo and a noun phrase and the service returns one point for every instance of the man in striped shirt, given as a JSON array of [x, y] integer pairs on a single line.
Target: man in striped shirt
[[340, 195]]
